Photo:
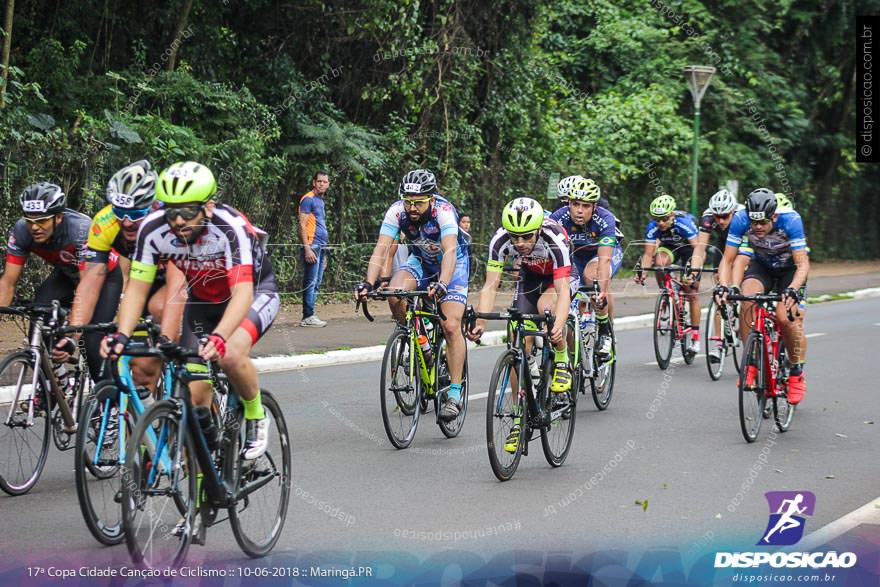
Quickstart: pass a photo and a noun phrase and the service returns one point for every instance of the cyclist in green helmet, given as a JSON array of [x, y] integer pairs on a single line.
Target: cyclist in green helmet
[[232, 296], [540, 246]]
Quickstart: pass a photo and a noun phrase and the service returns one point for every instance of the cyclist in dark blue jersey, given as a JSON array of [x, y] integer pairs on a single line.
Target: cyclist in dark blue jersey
[[595, 244], [779, 262], [428, 224]]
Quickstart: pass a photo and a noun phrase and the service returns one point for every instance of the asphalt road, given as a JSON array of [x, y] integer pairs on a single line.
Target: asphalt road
[[686, 460]]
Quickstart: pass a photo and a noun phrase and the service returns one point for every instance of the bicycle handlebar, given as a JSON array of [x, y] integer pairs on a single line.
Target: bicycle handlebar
[[762, 298], [384, 294]]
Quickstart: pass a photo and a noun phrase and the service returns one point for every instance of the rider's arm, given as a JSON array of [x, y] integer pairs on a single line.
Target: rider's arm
[[490, 289], [175, 301], [236, 309], [725, 267], [699, 244], [802, 261], [648, 255], [449, 243], [8, 280], [379, 257], [563, 296], [91, 280], [388, 268], [738, 227], [133, 302], [604, 255]]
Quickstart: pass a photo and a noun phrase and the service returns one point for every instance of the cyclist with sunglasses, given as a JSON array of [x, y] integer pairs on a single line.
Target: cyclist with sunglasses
[[427, 223], [596, 251], [131, 194], [539, 245], [670, 238], [779, 262], [232, 298], [58, 235]]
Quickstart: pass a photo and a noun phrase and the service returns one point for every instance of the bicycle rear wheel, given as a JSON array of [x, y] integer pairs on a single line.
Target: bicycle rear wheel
[[97, 468], [451, 428], [159, 488], [751, 393], [258, 517], [556, 438], [400, 390], [23, 447], [504, 408], [602, 384], [783, 412], [663, 329], [715, 338]]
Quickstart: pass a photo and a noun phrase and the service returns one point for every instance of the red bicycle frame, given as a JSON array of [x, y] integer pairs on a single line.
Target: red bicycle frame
[[767, 326]]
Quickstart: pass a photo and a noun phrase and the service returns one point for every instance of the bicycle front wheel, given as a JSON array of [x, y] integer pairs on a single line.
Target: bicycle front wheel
[[504, 411], [97, 468], [751, 388], [687, 351], [400, 389], [262, 485], [24, 442], [558, 434], [664, 326], [159, 488], [731, 334], [603, 383], [715, 339], [783, 411]]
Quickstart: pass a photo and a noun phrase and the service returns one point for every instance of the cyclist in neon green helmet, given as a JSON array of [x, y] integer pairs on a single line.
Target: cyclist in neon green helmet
[[670, 238], [232, 297], [541, 247]]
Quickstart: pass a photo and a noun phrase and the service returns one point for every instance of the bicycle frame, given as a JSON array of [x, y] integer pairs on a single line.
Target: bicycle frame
[[678, 302], [767, 326]]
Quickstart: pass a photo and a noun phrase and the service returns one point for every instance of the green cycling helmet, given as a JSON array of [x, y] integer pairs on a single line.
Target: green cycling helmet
[[522, 215], [186, 183], [662, 206], [782, 202], [585, 190]]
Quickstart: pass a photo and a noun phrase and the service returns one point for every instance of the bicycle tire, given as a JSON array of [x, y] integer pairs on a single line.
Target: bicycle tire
[[602, 392], [504, 464], [28, 476], [733, 339], [256, 547], [663, 350], [783, 412], [395, 405], [752, 402], [140, 460], [715, 369], [104, 521], [685, 320], [562, 418], [452, 428]]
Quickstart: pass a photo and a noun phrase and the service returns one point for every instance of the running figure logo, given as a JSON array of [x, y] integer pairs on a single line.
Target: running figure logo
[[787, 511]]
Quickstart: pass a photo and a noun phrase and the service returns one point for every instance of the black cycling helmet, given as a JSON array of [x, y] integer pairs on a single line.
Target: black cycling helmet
[[418, 181], [42, 198], [761, 204]]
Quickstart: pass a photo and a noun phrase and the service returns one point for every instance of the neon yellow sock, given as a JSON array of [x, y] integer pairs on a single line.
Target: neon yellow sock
[[253, 408], [560, 356]]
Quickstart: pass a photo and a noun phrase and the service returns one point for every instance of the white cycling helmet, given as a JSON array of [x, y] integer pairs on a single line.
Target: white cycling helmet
[[723, 202], [564, 185]]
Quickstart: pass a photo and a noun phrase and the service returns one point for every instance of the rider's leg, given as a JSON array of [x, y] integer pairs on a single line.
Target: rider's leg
[[105, 311], [403, 279], [662, 258]]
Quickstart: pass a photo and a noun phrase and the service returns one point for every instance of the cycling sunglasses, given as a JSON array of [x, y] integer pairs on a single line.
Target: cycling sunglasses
[[39, 220], [722, 216], [763, 222], [522, 237], [130, 214], [185, 212], [413, 202]]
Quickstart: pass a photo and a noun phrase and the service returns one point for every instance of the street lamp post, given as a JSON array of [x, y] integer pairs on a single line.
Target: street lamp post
[[698, 77]]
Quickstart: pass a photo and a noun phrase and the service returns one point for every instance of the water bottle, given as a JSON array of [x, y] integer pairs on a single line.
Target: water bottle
[[587, 320], [426, 350], [206, 423]]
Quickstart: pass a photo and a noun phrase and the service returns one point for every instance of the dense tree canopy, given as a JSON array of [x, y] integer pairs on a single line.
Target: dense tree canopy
[[496, 97]]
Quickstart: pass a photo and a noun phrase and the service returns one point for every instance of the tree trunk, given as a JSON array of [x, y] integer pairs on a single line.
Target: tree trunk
[[178, 33], [7, 49]]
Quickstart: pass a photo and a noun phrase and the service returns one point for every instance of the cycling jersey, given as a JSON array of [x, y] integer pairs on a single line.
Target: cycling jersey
[[424, 238], [550, 257], [105, 236], [229, 251], [63, 250], [773, 249], [709, 225], [682, 230], [600, 231]]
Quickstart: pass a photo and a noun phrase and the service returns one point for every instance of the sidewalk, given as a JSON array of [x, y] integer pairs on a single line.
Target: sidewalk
[[347, 330]]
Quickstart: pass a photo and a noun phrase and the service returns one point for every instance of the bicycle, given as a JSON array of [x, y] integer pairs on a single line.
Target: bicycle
[[728, 340], [175, 465], [33, 400], [413, 376], [672, 317], [764, 353], [112, 411], [532, 406], [598, 371]]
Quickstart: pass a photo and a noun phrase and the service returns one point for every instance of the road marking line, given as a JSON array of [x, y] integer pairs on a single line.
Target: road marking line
[[478, 396], [867, 514], [815, 334], [677, 360]]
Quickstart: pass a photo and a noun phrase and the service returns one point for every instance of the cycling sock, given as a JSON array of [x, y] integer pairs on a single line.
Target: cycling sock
[[604, 324], [797, 369], [455, 391], [253, 408], [560, 356]]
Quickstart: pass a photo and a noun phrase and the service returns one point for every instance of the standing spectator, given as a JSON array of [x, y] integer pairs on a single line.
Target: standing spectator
[[464, 224], [313, 232]]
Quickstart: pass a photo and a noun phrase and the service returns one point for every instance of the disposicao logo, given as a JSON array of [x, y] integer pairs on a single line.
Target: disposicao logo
[[785, 528]]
